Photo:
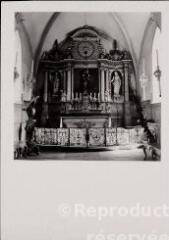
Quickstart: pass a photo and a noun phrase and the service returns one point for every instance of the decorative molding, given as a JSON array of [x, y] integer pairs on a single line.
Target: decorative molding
[[19, 20]]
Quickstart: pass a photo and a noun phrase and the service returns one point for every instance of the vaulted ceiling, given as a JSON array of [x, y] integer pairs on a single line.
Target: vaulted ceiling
[[128, 28]]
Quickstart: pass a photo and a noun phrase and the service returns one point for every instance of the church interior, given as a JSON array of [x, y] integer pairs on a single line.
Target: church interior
[[87, 85]]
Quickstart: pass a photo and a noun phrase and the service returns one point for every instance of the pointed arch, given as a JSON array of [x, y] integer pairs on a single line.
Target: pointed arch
[[127, 39], [18, 69], [146, 53], [25, 39], [43, 38], [115, 18]]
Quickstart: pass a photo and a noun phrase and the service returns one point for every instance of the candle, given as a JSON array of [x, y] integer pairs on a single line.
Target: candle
[[61, 123]]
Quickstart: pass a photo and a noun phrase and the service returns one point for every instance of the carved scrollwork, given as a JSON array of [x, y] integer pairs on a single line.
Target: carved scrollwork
[[54, 53]]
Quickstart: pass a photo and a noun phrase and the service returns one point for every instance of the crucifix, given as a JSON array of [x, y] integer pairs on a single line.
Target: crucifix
[[85, 78]]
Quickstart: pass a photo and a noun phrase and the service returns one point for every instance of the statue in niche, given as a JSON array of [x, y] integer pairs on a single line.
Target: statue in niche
[[85, 80], [116, 80], [56, 84]]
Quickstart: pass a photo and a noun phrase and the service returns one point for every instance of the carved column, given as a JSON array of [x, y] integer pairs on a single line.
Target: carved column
[[126, 82], [45, 96], [107, 80], [127, 113], [72, 83], [45, 100], [102, 87], [68, 84], [56, 83], [99, 74], [109, 83]]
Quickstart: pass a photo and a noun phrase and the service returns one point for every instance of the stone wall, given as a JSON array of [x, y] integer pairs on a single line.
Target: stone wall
[[26, 83]]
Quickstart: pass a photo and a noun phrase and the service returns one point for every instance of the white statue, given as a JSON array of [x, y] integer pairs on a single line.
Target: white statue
[[116, 82], [106, 96]]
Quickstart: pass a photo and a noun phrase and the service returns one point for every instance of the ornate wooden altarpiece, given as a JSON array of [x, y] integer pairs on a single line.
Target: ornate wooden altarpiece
[[82, 86]]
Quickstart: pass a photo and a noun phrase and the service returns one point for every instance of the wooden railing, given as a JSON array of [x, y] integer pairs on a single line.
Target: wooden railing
[[87, 136]]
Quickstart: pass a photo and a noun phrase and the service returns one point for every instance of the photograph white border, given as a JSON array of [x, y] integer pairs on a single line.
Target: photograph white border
[[146, 182]]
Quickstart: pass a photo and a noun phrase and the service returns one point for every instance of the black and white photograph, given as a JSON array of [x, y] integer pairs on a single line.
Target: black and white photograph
[[84, 120], [87, 86]]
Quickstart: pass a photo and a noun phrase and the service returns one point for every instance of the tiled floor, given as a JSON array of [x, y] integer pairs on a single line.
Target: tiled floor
[[124, 154]]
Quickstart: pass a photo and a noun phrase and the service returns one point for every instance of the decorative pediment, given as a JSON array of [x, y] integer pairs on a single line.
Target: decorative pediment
[[84, 43]]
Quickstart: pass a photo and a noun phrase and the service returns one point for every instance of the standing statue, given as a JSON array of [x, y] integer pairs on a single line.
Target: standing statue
[[85, 79], [116, 83], [56, 84], [30, 126]]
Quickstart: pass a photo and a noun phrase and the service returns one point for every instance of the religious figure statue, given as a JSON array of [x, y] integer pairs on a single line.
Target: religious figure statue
[[63, 96], [116, 83], [106, 96], [30, 126], [56, 84], [85, 79]]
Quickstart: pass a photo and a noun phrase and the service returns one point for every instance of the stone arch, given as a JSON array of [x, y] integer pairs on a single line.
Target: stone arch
[[43, 37], [127, 38], [18, 69], [145, 53], [20, 117], [25, 40], [27, 54]]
